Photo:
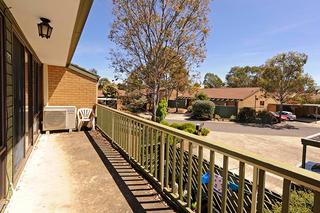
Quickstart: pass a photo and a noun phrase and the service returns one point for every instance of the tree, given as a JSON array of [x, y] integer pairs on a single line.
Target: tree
[[144, 30], [176, 77], [211, 80], [102, 82], [283, 76], [136, 98], [195, 88], [201, 96], [110, 90], [243, 76]]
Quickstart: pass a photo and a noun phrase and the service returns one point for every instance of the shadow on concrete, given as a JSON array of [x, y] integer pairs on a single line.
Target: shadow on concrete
[[139, 194]]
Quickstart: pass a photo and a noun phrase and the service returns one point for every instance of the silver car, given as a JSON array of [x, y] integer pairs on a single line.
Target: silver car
[[290, 115]]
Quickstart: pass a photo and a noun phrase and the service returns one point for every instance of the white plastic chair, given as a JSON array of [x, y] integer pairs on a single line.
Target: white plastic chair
[[85, 115]]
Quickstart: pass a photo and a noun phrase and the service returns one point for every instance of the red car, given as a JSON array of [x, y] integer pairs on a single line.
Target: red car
[[283, 117]]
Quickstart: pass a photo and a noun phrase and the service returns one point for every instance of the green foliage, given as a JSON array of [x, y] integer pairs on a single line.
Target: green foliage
[[300, 201], [212, 80], [110, 90], [203, 109], [164, 122], [247, 115], [283, 75], [205, 131], [266, 117], [243, 76], [175, 125], [190, 130], [187, 125], [201, 96], [136, 104], [162, 110], [102, 82]]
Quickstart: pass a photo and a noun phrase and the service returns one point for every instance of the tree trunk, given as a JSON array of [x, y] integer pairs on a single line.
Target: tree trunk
[[280, 111], [177, 94], [155, 105]]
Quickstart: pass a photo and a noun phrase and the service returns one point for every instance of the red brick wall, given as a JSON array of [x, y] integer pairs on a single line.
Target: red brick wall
[[70, 88]]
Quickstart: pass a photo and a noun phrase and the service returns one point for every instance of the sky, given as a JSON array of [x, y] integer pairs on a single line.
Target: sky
[[243, 32]]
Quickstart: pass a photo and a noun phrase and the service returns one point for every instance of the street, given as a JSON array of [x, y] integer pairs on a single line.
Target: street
[[295, 129]]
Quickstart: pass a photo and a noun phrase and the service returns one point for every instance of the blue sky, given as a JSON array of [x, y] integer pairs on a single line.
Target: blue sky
[[243, 32]]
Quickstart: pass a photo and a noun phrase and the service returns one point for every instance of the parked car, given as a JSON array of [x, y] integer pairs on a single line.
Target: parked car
[[290, 115], [283, 117]]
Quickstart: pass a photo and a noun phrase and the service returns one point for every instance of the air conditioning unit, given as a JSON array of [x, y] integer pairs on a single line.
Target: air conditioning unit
[[59, 118]]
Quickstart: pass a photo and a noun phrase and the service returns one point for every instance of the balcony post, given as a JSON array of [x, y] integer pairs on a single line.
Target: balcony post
[[112, 127]]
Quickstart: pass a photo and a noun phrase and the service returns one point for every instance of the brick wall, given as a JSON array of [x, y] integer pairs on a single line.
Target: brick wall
[[70, 88], [251, 102]]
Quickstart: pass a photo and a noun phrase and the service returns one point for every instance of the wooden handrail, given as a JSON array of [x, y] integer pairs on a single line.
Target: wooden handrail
[[287, 171]]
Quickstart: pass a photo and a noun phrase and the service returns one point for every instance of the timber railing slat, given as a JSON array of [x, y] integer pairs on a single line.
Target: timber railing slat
[[160, 151]]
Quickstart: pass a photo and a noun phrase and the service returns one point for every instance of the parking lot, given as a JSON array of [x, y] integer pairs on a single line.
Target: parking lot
[[286, 128]]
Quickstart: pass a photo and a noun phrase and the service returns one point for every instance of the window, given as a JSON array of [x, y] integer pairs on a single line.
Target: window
[[261, 103]]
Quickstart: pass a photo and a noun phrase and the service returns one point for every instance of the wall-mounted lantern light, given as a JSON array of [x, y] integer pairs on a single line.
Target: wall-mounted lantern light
[[44, 28]]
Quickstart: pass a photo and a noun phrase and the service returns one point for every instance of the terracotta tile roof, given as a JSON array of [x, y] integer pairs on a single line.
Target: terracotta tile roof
[[225, 93]]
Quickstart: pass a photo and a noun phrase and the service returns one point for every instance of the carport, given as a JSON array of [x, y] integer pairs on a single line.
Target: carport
[[301, 110]]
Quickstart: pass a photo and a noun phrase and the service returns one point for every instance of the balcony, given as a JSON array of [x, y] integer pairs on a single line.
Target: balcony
[[181, 166], [135, 165], [81, 172]]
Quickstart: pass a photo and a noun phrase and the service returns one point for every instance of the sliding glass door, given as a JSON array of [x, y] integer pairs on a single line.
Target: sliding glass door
[[19, 103], [28, 100]]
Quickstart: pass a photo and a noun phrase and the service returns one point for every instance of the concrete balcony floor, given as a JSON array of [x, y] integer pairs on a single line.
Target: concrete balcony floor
[[65, 173]]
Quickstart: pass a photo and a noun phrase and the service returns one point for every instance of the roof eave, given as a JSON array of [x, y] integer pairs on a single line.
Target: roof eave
[[82, 15], [83, 72]]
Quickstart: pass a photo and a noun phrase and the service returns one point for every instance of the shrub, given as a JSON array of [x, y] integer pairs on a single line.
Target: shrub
[[162, 110], [175, 125], [190, 130], [247, 115], [217, 117], [233, 118], [166, 123], [187, 125], [205, 131], [203, 109], [201, 96], [300, 201], [189, 109], [266, 117]]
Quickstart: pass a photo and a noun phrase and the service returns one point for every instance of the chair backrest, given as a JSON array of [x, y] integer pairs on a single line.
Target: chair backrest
[[84, 113]]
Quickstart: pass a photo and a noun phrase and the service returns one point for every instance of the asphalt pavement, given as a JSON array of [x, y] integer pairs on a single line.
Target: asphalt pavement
[[295, 129]]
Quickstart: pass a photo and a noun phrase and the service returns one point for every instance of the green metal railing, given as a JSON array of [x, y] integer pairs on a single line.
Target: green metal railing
[[149, 145]]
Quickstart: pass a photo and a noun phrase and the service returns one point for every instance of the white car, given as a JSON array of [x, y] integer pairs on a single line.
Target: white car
[[290, 115]]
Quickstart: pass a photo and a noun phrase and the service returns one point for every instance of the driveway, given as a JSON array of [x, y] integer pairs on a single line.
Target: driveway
[[295, 129]]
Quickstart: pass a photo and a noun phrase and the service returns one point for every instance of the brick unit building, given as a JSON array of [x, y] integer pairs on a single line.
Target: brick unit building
[[71, 86]]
